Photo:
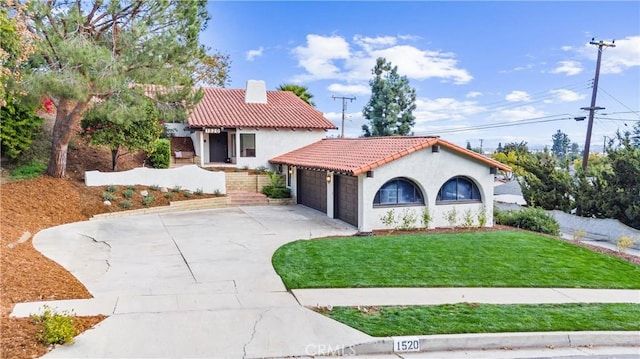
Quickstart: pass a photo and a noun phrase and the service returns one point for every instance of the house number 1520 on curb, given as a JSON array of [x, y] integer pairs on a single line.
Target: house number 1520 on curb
[[406, 344]]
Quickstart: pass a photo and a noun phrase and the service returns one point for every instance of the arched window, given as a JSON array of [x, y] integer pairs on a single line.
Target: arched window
[[398, 191], [459, 189]]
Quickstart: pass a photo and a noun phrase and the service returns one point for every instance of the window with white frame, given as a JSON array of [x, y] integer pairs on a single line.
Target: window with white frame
[[247, 145]]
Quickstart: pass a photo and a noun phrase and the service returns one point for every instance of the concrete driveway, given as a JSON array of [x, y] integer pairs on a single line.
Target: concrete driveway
[[193, 284]]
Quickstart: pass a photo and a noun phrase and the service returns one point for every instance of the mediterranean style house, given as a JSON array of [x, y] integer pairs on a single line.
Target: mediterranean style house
[[371, 183], [390, 182], [247, 127]]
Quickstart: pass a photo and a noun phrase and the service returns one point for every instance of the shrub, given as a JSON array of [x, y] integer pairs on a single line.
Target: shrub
[[217, 193], [427, 217], [108, 196], [147, 200], [125, 204], [160, 157], [579, 234], [624, 243], [532, 219], [55, 328], [451, 217], [260, 169], [187, 194], [28, 171], [154, 187], [176, 188], [272, 191], [467, 218], [408, 219], [168, 195], [199, 192], [389, 218], [131, 187], [482, 217], [128, 193], [112, 188]]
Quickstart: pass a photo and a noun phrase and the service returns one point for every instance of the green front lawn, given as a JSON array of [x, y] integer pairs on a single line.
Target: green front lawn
[[475, 259], [488, 318]]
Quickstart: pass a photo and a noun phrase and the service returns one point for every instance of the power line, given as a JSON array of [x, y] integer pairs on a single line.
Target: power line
[[530, 121], [620, 102]]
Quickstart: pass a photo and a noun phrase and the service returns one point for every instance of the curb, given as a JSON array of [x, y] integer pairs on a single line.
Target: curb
[[499, 341]]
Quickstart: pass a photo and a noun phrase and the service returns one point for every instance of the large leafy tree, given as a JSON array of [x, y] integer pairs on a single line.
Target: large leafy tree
[[300, 91], [635, 135], [91, 51], [543, 185], [561, 143], [390, 109], [18, 121], [612, 189], [120, 123]]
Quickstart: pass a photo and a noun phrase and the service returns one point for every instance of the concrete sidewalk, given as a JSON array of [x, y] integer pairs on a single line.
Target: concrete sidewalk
[[433, 296]]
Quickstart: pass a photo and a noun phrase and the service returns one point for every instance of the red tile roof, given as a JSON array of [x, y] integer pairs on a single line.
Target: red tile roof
[[358, 155], [226, 108]]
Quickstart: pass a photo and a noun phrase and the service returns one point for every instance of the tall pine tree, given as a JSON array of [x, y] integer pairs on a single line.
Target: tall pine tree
[[390, 109], [90, 51]]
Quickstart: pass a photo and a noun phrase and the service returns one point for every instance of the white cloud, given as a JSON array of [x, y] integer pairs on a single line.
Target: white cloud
[[252, 54], [370, 43], [568, 68], [473, 94], [519, 68], [439, 109], [349, 89], [518, 96], [625, 55], [332, 57], [567, 48], [423, 64], [516, 114], [318, 56], [564, 95]]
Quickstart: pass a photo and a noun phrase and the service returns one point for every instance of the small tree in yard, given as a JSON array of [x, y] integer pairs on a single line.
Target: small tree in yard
[[390, 109], [119, 123]]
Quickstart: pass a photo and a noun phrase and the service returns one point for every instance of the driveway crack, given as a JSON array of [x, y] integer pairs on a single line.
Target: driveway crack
[[253, 334], [179, 250]]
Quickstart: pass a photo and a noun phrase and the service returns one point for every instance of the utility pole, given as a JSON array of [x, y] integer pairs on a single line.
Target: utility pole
[[592, 109], [344, 108]]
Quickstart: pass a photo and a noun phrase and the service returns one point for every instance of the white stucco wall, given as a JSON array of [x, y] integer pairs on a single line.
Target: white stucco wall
[[271, 143], [190, 177], [430, 171]]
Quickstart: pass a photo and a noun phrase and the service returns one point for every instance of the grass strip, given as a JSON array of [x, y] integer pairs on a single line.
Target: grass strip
[[488, 318], [476, 259]]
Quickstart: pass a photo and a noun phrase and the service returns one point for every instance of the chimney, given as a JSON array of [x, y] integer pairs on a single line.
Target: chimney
[[256, 92]]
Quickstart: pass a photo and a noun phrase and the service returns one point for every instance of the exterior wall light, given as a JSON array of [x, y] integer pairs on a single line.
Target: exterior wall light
[[328, 177], [290, 170]]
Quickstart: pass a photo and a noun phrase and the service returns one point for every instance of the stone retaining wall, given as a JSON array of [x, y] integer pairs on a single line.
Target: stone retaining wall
[[243, 181]]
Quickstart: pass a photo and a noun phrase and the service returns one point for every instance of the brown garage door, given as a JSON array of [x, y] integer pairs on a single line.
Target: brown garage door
[[312, 189], [346, 199]]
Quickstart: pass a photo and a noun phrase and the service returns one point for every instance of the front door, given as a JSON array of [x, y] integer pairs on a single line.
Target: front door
[[218, 149]]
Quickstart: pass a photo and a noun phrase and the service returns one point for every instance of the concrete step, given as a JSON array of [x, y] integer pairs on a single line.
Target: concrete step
[[243, 198]]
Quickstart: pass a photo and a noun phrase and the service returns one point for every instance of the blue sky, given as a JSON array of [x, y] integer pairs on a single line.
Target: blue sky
[[521, 70]]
